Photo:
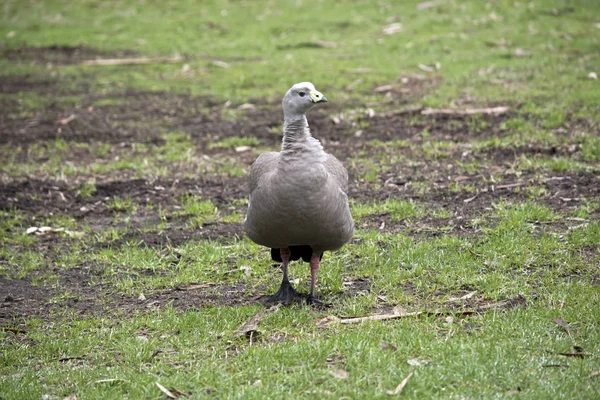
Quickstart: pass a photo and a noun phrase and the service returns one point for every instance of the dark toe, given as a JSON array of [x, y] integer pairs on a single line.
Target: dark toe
[[313, 301], [286, 294]]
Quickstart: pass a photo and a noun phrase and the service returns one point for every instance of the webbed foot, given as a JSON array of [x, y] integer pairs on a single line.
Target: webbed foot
[[286, 294]]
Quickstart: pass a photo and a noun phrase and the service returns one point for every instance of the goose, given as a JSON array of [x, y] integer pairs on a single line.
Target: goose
[[298, 205]]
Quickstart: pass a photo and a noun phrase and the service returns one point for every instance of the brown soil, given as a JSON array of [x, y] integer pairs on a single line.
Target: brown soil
[[141, 117], [61, 55]]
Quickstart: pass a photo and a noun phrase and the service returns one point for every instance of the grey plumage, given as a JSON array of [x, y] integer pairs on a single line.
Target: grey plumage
[[298, 196]]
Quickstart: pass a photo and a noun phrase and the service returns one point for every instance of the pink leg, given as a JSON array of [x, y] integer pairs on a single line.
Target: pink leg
[[285, 258], [314, 267]]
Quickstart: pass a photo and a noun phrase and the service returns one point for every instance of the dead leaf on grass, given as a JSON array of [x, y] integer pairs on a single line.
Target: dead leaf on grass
[[563, 324], [429, 4], [42, 230], [387, 346], [110, 380], [384, 88], [392, 29], [417, 363], [400, 386], [250, 328], [522, 52], [166, 391], [322, 323], [71, 397], [220, 64], [465, 297], [470, 199], [339, 373], [595, 374], [426, 68]]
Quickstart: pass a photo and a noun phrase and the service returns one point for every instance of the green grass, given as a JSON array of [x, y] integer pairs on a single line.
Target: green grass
[[531, 56]]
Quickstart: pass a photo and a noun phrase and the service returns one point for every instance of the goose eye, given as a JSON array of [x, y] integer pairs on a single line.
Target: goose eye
[[301, 94]]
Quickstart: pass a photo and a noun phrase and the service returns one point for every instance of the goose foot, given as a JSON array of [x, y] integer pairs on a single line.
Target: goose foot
[[313, 301], [286, 294]]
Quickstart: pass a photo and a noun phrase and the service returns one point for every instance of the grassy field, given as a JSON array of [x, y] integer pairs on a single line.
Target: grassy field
[[123, 187]]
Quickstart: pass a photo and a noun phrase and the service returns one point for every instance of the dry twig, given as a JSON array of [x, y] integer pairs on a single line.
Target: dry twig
[[134, 61]]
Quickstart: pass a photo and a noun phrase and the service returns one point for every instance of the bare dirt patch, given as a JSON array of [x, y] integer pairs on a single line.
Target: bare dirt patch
[[21, 299], [60, 55]]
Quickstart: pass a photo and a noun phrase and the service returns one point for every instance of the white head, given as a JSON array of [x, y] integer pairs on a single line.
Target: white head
[[300, 98]]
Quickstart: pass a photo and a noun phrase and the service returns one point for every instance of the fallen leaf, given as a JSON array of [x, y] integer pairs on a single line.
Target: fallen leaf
[[221, 64], [179, 393], [109, 380], [166, 391], [250, 328], [563, 324], [339, 373], [426, 68], [387, 346], [400, 386], [429, 4], [384, 88], [71, 397], [594, 374], [417, 363], [393, 28], [65, 121], [470, 199], [465, 297], [519, 52], [322, 323]]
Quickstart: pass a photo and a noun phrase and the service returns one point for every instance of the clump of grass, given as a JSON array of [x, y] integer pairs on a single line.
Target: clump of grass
[[178, 147], [86, 190], [122, 205], [199, 210], [590, 148]]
